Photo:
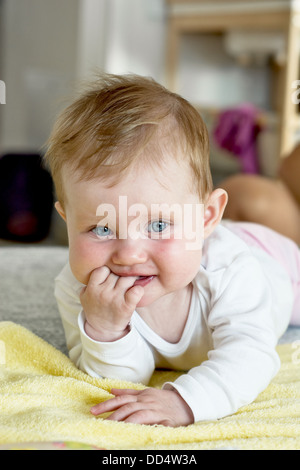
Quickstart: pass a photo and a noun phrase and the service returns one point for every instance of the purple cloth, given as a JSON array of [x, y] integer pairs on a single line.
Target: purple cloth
[[237, 131]]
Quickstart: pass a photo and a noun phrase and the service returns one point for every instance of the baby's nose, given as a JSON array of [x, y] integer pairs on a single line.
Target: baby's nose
[[129, 252]]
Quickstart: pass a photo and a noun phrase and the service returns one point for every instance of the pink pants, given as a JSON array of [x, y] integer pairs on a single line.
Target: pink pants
[[282, 249]]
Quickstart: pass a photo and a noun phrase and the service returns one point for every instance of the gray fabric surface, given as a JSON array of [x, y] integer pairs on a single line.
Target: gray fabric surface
[[26, 291]]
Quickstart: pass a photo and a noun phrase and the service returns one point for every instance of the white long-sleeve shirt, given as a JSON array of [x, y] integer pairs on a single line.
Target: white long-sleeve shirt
[[241, 304]]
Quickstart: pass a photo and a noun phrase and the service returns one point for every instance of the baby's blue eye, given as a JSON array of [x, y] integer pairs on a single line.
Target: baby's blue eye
[[157, 226], [102, 231]]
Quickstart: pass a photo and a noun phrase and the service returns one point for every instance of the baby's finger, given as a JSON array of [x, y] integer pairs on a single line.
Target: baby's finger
[[99, 275], [134, 295], [112, 404], [128, 411], [125, 282]]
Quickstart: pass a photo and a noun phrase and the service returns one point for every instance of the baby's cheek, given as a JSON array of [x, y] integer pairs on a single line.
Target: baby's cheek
[[172, 246], [170, 251], [83, 260], [175, 257]]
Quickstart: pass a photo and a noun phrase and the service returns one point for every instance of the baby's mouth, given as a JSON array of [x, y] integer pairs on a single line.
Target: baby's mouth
[[143, 280]]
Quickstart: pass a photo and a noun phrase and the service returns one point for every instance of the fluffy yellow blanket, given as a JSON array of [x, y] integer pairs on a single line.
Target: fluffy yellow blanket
[[44, 397]]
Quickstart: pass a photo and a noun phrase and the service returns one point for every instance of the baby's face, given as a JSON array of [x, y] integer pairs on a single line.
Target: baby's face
[[149, 225]]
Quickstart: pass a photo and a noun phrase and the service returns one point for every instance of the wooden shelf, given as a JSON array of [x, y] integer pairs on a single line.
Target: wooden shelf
[[221, 16]]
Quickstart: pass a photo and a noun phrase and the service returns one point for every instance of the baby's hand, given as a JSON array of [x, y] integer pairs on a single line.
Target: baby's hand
[[149, 406], [108, 302]]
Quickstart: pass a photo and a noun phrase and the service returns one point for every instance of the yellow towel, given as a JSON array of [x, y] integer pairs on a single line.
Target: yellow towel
[[44, 397]]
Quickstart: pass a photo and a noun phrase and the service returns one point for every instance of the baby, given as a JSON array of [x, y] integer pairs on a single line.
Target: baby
[[154, 279]]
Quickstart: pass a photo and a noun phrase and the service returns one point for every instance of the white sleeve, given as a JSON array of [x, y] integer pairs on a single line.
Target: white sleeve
[[243, 359], [129, 358]]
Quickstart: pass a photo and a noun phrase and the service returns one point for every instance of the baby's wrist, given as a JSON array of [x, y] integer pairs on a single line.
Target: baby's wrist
[[104, 335]]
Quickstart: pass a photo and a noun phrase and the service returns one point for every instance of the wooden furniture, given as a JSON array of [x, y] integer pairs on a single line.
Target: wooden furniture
[[222, 16]]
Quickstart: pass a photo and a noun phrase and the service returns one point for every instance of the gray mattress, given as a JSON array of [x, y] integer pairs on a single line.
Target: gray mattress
[[26, 290]]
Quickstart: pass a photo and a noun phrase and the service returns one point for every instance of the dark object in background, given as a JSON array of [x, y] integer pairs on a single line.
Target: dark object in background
[[26, 198]]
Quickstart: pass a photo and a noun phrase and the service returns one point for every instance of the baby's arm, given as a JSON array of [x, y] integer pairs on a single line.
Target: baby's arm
[[243, 357], [128, 358], [101, 343]]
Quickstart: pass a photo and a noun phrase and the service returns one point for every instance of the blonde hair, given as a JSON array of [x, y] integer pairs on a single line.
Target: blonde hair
[[104, 131]]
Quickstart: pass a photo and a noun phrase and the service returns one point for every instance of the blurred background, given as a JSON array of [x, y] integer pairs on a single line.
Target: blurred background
[[236, 61]]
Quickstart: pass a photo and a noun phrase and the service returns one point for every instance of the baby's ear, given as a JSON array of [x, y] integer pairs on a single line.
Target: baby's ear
[[213, 211], [60, 210]]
